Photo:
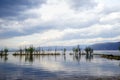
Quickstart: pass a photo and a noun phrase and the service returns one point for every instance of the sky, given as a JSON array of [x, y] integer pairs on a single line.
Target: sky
[[58, 22]]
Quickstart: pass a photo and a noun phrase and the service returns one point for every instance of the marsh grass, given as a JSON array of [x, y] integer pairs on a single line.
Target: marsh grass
[[111, 57]]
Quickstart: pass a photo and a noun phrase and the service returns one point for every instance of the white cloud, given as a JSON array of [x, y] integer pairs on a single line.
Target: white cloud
[[111, 18], [52, 13], [59, 23], [35, 39], [56, 37]]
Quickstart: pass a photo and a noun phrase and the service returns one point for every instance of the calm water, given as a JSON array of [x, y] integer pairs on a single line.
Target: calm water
[[17, 67], [113, 52]]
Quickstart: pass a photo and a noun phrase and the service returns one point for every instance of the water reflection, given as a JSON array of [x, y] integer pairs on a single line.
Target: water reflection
[[65, 64], [32, 58], [64, 57], [89, 57], [77, 58], [29, 58], [4, 57]]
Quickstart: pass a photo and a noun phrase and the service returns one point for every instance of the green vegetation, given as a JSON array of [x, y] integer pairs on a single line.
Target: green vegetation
[[79, 50], [111, 57], [64, 50], [3, 54], [31, 49], [5, 51], [88, 50], [75, 50], [30, 53]]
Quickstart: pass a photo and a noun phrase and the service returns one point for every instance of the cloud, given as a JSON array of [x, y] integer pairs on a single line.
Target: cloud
[[58, 22], [57, 37], [50, 15], [82, 4], [109, 6], [36, 39], [111, 18], [13, 8]]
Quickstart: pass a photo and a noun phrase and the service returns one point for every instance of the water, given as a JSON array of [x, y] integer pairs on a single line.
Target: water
[[113, 52], [36, 67]]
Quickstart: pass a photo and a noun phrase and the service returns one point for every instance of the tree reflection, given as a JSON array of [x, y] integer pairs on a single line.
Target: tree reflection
[[89, 57], [29, 58], [89, 54], [77, 57], [64, 57], [4, 57]]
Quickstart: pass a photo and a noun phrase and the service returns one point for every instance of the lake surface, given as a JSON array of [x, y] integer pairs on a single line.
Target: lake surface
[[44, 66], [113, 52]]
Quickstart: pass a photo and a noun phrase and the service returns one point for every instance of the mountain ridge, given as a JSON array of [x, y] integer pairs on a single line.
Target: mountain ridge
[[106, 46]]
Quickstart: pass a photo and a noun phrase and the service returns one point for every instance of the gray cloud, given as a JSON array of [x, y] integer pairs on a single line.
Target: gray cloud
[[82, 4], [12, 16], [10, 8], [70, 21]]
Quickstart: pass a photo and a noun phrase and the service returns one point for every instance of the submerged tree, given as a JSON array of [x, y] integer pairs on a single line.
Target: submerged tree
[[91, 51], [79, 50], [88, 50], [75, 50], [64, 50], [5, 51], [31, 49]]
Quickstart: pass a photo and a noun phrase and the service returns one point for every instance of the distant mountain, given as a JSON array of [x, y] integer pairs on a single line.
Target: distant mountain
[[106, 46]]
